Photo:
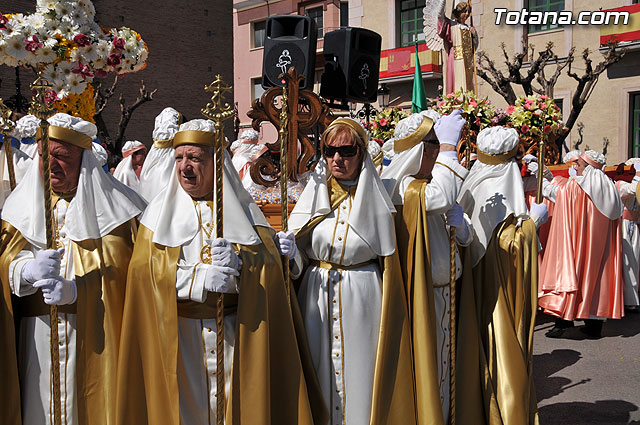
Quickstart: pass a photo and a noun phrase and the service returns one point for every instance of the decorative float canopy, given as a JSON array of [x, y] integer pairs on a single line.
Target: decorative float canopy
[[62, 40]]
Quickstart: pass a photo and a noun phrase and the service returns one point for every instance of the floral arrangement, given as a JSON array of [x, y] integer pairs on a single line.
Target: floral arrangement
[[80, 105], [534, 115], [382, 126], [62, 40], [479, 112]]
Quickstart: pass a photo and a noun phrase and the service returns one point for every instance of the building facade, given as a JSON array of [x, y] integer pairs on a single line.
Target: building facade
[[611, 116]]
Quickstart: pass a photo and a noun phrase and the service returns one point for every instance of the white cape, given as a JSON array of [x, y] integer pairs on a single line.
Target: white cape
[[602, 192]]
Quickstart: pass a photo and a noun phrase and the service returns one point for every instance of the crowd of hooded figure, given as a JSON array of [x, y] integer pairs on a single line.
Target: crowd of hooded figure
[[363, 332]]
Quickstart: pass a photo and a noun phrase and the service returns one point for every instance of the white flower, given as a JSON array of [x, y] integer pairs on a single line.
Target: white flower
[[15, 47], [103, 48], [99, 63], [75, 83], [45, 5], [46, 55], [51, 73], [63, 8], [68, 29], [46, 39], [88, 8], [53, 27], [64, 69], [89, 53], [79, 16]]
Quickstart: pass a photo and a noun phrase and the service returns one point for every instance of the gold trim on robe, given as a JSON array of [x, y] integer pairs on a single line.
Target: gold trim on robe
[[272, 380], [393, 398], [413, 243], [495, 330], [100, 269]]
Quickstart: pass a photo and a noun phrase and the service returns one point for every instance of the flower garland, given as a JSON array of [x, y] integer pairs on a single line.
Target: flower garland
[[534, 115], [479, 112], [384, 123], [62, 39], [80, 105]]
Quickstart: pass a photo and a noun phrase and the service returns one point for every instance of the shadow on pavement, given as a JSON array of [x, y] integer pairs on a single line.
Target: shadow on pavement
[[627, 327], [545, 365], [609, 412]]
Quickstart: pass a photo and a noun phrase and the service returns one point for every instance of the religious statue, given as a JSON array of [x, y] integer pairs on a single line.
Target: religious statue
[[457, 39]]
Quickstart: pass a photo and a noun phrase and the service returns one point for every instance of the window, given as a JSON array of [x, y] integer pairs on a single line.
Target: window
[[256, 89], [259, 32], [634, 125], [545, 6], [411, 22], [344, 14], [316, 15]]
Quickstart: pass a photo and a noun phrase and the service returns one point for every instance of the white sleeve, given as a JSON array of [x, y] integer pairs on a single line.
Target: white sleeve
[[627, 189], [190, 281], [549, 190], [441, 193], [19, 286]]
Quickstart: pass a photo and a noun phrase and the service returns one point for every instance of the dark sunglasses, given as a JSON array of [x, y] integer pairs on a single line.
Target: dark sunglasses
[[344, 151]]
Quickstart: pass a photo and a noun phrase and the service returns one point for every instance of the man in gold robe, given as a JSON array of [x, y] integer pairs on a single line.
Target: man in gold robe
[[498, 301], [424, 179], [169, 346], [94, 227]]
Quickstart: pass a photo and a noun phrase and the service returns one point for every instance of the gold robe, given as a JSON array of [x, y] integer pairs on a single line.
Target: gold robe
[[393, 397], [268, 385], [495, 330], [413, 243], [100, 268]]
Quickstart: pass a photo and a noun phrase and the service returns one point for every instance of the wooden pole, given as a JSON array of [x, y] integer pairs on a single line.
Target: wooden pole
[[219, 112], [41, 109]]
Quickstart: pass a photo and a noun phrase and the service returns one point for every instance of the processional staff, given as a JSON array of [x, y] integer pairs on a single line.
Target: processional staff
[[284, 198], [541, 149], [453, 295], [6, 127], [41, 109], [218, 112]]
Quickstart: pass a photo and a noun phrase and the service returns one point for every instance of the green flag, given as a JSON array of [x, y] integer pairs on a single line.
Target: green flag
[[419, 98]]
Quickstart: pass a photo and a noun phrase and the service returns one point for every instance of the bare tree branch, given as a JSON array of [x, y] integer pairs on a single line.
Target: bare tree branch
[[127, 111]]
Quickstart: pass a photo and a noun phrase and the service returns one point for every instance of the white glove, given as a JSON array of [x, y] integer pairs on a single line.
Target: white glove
[[223, 254], [533, 167], [539, 213], [448, 128], [572, 171], [455, 216], [57, 291], [286, 243], [45, 265], [529, 158], [636, 166], [218, 279]]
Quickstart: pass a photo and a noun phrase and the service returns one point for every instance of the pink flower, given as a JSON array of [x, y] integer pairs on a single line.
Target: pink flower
[[510, 110], [83, 70], [114, 59], [3, 22], [547, 129], [537, 112], [50, 97], [118, 43], [473, 103], [33, 44], [82, 40], [477, 122], [543, 97], [384, 122], [524, 128], [441, 104], [528, 106]]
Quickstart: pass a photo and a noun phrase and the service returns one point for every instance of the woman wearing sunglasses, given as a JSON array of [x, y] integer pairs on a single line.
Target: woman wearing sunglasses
[[351, 293]]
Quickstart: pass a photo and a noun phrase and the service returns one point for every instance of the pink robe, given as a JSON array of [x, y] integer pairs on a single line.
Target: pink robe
[[581, 273]]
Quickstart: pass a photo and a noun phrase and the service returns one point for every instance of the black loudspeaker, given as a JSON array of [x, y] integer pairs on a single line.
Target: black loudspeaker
[[352, 65], [290, 41]]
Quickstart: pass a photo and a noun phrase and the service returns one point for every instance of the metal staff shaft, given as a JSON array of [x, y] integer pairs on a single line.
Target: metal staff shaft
[[284, 197], [41, 109], [216, 111]]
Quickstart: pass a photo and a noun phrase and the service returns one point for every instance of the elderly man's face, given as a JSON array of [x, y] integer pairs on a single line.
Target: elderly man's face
[[194, 165], [66, 160], [138, 157]]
